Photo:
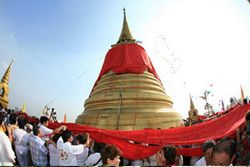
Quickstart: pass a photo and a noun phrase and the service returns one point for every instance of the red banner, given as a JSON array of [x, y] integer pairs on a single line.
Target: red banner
[[223, 126]]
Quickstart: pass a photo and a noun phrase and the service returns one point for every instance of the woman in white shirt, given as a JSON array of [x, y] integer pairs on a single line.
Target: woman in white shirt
[[95, 158]]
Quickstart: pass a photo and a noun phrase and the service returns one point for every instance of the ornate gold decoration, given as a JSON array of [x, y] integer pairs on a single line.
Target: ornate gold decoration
[[4, 87], [193, 112]]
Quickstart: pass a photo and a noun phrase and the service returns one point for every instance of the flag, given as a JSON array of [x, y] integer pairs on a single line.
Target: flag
[[64, 118], [222, 105], [24, 107], [242, 93]]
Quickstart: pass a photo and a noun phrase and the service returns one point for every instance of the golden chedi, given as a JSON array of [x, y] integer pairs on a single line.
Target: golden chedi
[[128, 94], [4, 88], [192, 113]]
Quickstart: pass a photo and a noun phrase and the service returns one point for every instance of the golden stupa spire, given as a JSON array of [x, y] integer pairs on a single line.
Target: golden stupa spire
[[6, 75], [193, 112], [125, 36], [191, 104]]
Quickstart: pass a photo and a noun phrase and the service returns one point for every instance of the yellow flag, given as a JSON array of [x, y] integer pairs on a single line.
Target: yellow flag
[[242, 93], [24, 107], [64, 118]]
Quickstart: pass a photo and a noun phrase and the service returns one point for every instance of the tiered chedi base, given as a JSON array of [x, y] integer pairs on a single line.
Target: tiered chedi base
[[129, 102]]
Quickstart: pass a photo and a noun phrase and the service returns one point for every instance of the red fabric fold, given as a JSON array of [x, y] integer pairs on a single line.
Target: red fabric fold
[[127, 58], [225, 126]]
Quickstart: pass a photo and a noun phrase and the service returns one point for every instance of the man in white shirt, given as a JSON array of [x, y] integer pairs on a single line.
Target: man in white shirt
[[7, 155], [44, 122], [207, 149], [67, 151], [22, 150]]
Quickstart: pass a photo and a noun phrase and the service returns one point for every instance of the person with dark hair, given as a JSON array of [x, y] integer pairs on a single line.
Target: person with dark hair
[[7, 157], [167, 156], [67, 151], [95, 158], [247, 143], [247, 117], [13, 119], [2, 125], [1, 108], [207, 149], [83, 139], [38, 149], [110, 155], [224, 152], [244, 142], [44, 122], [22, 151], [53, 152], [12, 124]]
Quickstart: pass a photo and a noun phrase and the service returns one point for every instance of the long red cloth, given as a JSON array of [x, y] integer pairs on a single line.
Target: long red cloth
[[221, 127]]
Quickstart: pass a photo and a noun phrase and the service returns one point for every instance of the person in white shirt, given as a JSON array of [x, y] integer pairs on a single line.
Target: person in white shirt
[[67, 151], [44, 122], [22, 150], [137, 162], [53, 152], [7, 157], [83, 139], [95, 159], [207, 148]]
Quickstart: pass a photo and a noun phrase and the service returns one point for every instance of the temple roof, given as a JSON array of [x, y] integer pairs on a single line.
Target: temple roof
[[6, 75]]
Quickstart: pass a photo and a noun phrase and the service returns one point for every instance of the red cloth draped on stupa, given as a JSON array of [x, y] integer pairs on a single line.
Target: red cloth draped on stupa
[[127, 58]]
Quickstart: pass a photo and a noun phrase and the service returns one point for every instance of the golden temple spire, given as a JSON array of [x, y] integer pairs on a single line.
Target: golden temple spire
[[193, 112], [191, 104], [6, 76], [125, 36]]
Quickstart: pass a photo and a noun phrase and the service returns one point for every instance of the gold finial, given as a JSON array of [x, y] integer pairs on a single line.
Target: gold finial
[[124, 11], [6, 75], [125, 36]]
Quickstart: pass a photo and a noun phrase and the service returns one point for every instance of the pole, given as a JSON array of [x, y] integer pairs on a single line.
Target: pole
[[119, 107]]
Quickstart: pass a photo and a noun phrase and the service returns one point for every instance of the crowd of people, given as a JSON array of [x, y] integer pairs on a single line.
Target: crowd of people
[[25, 144]]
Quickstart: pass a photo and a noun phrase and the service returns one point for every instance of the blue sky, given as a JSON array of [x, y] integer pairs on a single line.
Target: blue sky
[[192, 44]]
